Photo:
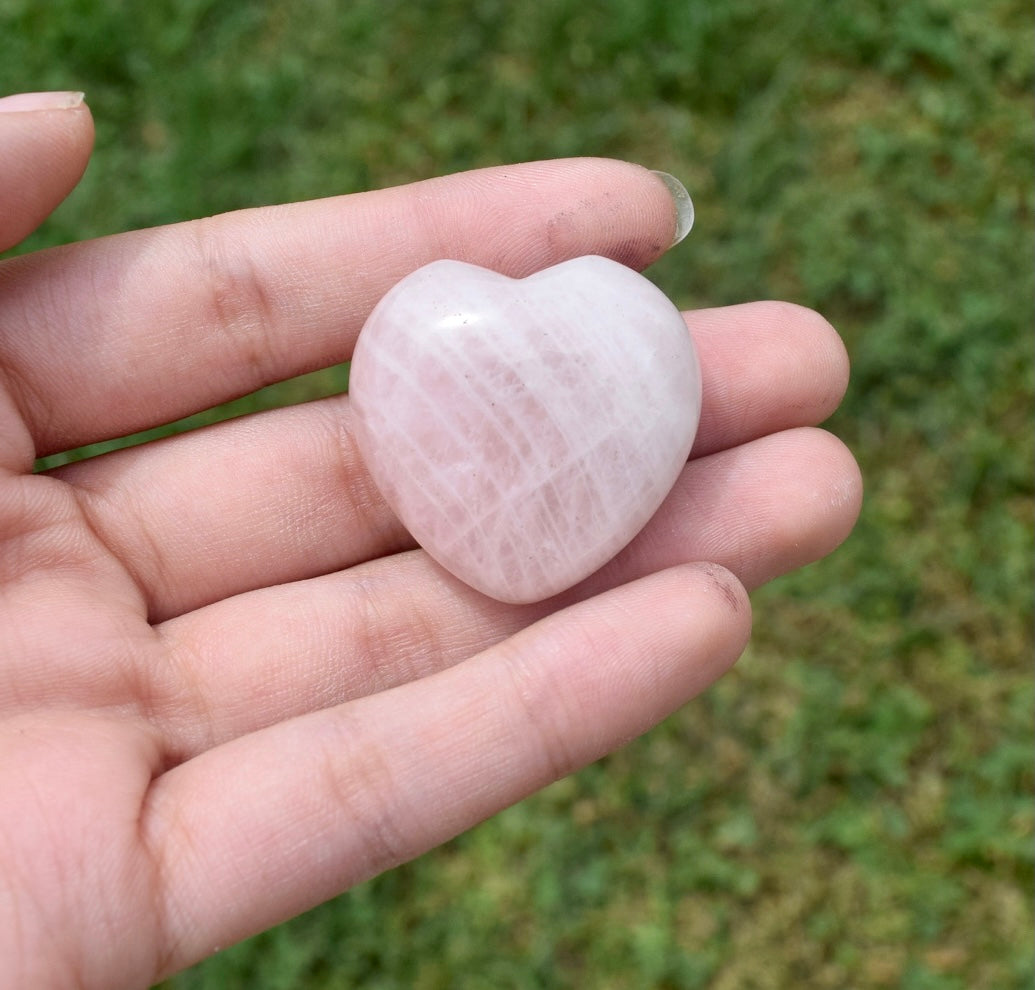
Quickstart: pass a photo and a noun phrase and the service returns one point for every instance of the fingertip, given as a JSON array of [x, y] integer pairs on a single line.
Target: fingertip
[[809, 512], [558, 209], [697, 614], [816, 336], [729, 598], [846, 489], [45, 144], [766, 366], [723, 585], [830, 348], [659, 208]]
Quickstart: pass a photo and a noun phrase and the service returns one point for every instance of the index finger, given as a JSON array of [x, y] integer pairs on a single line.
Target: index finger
[[108, 337]]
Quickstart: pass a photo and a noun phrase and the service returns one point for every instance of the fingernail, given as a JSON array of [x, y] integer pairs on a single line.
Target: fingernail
[[21, 102], [684, 205]]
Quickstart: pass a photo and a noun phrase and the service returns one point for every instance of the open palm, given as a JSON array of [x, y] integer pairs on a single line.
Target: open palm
[[230, 686]]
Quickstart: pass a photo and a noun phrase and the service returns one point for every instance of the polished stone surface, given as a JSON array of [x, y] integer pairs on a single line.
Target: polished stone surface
[[524, 430]]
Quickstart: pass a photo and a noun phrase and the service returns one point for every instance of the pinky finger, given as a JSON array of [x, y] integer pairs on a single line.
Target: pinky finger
[[269, 825]]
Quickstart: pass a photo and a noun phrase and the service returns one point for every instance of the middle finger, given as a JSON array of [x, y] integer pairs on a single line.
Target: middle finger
[[283, 496]]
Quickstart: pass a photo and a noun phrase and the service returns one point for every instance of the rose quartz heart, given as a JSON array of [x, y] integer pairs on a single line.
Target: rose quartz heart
[[524, 430]]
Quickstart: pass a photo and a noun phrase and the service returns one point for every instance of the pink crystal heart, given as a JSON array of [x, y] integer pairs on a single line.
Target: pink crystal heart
[[525, 430]]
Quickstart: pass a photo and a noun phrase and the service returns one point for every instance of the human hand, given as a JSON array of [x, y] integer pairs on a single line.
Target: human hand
[[230, 685]]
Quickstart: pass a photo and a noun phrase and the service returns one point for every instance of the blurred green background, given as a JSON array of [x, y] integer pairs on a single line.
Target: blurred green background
[[851, 807]]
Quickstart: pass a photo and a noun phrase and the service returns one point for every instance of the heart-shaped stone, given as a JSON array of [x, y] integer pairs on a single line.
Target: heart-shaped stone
[[525, 430]]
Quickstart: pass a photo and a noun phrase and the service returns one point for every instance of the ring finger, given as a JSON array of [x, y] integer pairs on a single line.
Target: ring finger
[[758, 509]]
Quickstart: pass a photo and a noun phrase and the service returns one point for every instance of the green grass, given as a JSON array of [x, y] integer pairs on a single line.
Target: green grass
[[850, 808]]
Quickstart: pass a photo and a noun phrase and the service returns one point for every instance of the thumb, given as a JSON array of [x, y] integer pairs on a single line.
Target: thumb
[[45, 143]]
